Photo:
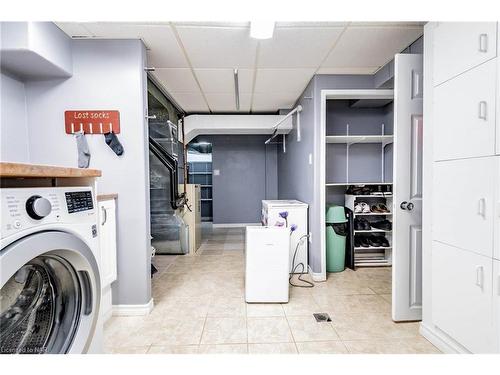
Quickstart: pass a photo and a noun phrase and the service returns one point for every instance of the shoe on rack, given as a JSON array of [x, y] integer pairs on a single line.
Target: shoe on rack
[[382, 225], [374, 241], [358, 190], [357, 242], [365, 207], [363, 241], [357, 208], [380, 208], [384, 242], [361, 224], [383, 208]]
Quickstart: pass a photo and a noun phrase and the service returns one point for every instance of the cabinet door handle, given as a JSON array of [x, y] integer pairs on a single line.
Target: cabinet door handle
[[498, 285], [482, 208], [104, 215], [483, 43], [483, 110], [480, 276]]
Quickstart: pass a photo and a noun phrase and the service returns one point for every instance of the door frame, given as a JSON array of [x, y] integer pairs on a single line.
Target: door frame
[[327, 95]]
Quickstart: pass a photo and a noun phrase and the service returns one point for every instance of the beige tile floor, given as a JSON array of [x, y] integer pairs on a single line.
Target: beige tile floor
[[200, 308]]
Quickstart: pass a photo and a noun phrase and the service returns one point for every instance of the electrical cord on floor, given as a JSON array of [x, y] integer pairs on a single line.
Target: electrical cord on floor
[[294, 268]]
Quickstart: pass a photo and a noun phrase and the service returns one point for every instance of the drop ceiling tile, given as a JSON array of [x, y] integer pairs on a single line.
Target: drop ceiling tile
[[177, 79], [282, 80], [393, 24], [299, 47], [220, 102], [370, 46], [311, 24], [218, 47], [74, 29], [273, 101], [190, 101], [163, 49], [212, 24], [222, 80], [348, 70]]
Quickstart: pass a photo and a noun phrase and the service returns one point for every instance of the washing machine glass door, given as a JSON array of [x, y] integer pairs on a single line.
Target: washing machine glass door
[[40, 307], [48, 295]]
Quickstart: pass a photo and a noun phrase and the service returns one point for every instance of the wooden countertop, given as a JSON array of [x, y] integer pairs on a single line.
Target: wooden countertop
[[106, 197], [22, 170]]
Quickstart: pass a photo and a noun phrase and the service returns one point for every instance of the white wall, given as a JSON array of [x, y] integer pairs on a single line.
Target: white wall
[[107, 74], [13, 121]]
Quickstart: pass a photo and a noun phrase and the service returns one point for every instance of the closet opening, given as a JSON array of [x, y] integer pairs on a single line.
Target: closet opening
[[357, 178]]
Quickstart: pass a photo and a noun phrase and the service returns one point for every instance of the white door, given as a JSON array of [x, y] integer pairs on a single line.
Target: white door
[[407, 206]]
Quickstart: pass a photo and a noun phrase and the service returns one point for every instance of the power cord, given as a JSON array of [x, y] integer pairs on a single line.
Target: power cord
[[294, 267]]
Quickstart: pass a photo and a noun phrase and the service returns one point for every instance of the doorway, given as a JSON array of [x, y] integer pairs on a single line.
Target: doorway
[[372, 161], [199, 164]]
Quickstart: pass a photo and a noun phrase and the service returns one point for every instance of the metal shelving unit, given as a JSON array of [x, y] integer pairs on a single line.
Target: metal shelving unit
[[201, 173]]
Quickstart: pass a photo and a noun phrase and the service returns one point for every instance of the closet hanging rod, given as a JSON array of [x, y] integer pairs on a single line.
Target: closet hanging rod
[[297, 110]]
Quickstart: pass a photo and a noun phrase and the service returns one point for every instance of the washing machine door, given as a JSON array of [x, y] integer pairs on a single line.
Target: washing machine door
[[49, 296]]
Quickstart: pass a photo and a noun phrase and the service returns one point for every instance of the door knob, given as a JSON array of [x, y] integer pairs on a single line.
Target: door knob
[[406, 205]]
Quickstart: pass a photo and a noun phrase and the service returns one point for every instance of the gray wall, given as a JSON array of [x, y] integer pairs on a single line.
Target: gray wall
[[365, 160], [297, 179], [109, 75], [248, 174], [14, 126]]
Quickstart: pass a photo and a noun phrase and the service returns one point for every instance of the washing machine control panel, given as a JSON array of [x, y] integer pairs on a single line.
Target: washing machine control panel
[[24, 208], [77, 201]]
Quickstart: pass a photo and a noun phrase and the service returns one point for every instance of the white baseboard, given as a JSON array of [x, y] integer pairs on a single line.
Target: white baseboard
[[133, 310], [441, 340], [316, 276], [235, 225]]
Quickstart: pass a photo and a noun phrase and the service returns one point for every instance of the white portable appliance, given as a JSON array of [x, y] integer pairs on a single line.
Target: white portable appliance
[[266, 264], [287, 213], [50, 284]]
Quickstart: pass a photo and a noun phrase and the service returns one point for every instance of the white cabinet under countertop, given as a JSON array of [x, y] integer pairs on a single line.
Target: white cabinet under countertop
[[460, 46], [107, 241]]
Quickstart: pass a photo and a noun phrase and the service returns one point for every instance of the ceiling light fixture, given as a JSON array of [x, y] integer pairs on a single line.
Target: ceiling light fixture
[[261, 29], [236, 89]]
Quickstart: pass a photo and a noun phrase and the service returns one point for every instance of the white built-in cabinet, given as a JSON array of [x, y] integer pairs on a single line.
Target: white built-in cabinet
[[460, 46], [464, 118], [462, 297], [496, 297], [108, 261], [107, 226], [464, 114], [464, 214]]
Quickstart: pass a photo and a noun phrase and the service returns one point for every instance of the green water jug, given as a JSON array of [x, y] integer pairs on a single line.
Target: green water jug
[[336, 235]]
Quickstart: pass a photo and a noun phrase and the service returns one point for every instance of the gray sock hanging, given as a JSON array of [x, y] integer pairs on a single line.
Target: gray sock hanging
[[112, 141], [83, 150]]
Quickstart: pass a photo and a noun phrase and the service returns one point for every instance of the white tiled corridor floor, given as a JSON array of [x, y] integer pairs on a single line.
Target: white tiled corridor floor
[[200, 308]]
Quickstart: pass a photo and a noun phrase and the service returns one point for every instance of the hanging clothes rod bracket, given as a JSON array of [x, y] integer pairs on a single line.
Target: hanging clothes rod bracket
[[297, 110]]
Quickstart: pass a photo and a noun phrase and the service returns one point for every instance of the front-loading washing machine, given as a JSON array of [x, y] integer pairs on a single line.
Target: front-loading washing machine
[[49, 271]]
